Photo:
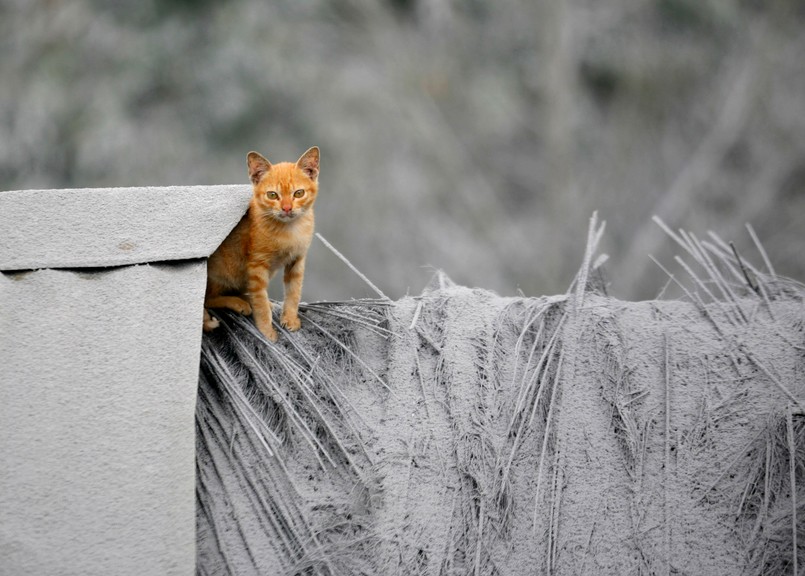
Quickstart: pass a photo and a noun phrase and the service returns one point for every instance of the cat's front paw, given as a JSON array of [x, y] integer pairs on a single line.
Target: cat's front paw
[[269, 333], [241, 307], [290, 321], [267, 329]]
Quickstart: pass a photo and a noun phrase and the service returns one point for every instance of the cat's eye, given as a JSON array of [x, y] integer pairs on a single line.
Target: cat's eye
[[273, 195], [299, 193]]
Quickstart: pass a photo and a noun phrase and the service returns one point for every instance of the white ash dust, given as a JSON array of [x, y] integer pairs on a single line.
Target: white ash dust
[[460, 432]]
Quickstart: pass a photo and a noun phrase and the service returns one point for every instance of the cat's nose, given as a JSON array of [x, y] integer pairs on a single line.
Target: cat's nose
[[287, 209]]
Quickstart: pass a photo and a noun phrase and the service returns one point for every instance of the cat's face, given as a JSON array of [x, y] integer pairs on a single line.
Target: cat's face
[[284, 191]]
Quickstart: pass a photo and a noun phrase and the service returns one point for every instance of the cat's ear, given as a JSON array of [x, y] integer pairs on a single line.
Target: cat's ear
[[309, 163], [257, 166]]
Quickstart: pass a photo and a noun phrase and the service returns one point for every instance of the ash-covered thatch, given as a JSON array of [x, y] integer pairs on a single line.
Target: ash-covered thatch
[[459, 432]]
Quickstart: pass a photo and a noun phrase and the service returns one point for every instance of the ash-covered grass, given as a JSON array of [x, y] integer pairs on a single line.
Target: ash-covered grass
[[458, 432]]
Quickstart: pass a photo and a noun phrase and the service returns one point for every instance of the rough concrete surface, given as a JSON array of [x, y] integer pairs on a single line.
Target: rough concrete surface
[[99, 374], [115, 226], [96, 420]]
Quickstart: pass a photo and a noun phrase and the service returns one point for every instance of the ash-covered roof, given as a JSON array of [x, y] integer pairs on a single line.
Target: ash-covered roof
[[101, 227]]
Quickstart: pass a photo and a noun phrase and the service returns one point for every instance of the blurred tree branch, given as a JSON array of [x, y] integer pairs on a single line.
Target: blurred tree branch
[[678, 199], [472, 136]]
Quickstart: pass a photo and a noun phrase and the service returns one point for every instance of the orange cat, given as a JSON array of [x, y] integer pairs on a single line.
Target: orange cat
[[274, 234]]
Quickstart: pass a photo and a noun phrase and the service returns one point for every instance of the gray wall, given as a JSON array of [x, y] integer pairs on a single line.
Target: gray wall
[[98, 375], [97, 420]]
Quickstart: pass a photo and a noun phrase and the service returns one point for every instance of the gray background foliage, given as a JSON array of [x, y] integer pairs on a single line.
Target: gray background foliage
[[473, 136]]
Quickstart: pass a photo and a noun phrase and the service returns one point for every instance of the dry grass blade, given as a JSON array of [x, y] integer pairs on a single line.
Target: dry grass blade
[[594, 234], [539, 379], [545, 437], [667, 454], [352, 354], [248, 413], [527, 381], [417, 312], [479, 542], [751, 281], [532, 316], [762, 251], [344, 408], [754, 359], [724, 287], [556, 503], [792, 471], [258, 378], [371, 323], [352, 267], [772, 502], [728, 304], [278, 516], [264, 376], [729, 312], [673, 278], [322, 413], [727, 253], [730, 467]]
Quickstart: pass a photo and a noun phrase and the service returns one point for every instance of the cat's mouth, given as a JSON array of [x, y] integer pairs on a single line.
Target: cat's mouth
[[287, 216]]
